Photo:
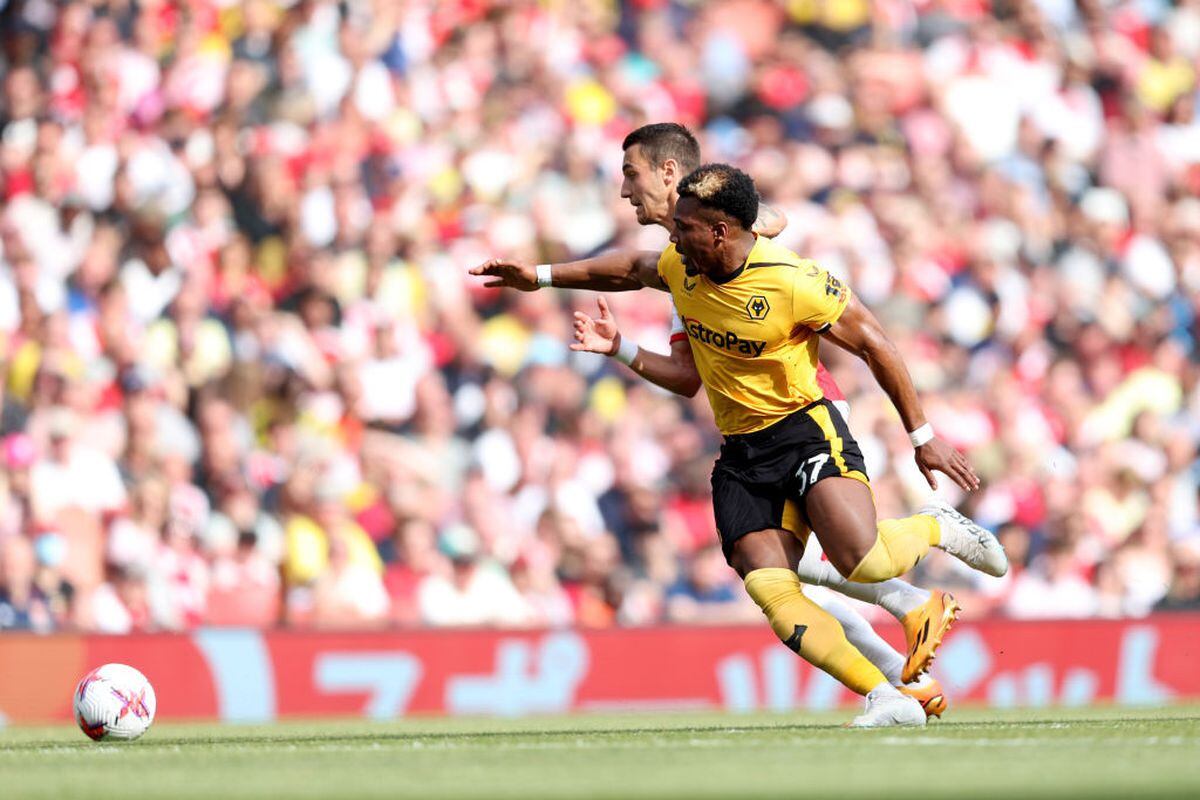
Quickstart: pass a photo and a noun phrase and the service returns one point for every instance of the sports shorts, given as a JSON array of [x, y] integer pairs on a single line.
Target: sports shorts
[[760, 479]]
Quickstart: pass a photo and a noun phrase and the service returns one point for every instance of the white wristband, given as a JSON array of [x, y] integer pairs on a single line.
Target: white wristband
[[543, 275], [626, 352], [921, 435]]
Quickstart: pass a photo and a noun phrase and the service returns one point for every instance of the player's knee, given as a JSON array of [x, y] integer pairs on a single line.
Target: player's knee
[[760, 550], [847, 556], [746, 559]]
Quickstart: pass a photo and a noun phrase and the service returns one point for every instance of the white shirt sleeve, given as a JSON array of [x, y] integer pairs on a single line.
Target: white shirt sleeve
[[676, 324]]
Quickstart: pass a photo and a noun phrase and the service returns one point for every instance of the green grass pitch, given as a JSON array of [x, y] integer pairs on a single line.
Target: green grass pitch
[[1015, 755]]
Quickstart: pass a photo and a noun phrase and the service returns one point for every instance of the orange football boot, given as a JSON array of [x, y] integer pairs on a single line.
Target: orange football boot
[[924, 628], [928, 692]]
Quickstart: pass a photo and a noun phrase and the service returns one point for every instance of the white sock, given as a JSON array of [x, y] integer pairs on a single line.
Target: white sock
[[893, 595], [886, 690], [860, 634]]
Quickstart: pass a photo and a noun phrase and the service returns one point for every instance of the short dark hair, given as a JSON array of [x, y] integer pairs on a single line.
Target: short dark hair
[[666, 140], [724, 188]]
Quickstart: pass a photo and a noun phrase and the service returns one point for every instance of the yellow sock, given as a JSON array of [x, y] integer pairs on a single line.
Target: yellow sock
[[809, 631], [899, 545]]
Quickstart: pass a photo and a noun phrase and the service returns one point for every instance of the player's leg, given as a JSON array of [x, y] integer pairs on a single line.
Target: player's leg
[[860, 634], [763, 559], [842, 513], [839, 506], [925, 689], [842, 510], [899, 598], [897, 547], [925, 616], [752, 485]]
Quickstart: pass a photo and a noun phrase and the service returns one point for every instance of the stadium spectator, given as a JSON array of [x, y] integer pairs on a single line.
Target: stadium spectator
[[474, 591], [1184, 592], [706, 595]]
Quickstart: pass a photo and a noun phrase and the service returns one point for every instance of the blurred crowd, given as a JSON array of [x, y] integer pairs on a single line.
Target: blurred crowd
[[247, 380]]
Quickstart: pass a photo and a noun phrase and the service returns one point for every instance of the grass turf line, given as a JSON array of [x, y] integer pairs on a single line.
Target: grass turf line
[[1016, 755]]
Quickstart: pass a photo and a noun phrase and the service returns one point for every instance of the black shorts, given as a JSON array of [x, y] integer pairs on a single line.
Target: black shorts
[[761, 478]]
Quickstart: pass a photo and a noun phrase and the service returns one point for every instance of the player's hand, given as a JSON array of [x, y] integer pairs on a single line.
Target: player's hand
[[596, 335], [936, 454], [508, 274], [771, 221]]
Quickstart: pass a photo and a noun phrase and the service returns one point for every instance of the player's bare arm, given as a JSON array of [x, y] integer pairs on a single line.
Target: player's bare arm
[[771, 221], [676, 373], [614, 271], [859, 332]]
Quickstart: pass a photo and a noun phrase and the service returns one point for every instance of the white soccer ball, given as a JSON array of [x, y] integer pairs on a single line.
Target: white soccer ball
[[114, 702]]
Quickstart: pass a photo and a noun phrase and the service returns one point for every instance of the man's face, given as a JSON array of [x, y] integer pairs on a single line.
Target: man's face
[[648, 189], [698, 235]]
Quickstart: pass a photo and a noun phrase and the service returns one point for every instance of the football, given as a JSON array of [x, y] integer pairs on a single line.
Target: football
[[114, 701]]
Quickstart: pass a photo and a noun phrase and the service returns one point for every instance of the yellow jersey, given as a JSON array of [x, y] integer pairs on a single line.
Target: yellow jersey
[[754, 335]]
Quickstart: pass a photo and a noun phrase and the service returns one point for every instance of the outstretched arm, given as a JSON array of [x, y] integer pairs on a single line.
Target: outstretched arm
[[859, 332], [676, 373], [615, 271], [771, 221]]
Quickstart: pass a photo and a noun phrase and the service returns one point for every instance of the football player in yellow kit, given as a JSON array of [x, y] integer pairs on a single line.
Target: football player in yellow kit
[[754, 311], [656, 157]]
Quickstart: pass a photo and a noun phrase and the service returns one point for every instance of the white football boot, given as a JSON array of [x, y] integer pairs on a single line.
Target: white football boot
[[972, 544], [889, 709]]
